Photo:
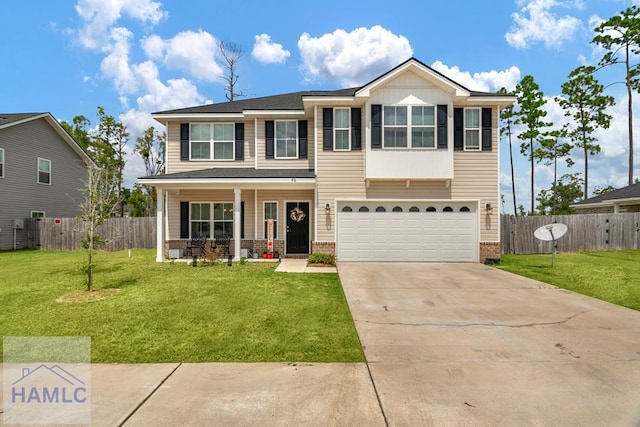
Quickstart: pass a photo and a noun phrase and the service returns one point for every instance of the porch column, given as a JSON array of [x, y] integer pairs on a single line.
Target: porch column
[[160, 225], [237, 229]]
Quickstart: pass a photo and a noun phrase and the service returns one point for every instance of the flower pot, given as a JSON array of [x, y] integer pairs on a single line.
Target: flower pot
[[270, 256]]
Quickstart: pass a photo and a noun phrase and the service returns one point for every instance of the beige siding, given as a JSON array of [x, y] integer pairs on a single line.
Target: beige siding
[[174, 164], [250, 212], [264, 163]]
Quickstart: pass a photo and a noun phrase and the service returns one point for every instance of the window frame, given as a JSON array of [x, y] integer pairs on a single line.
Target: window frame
[[410, 126], [2, 163], [212, 142], [477, 129], [49, 171], [192, 221], [386, 126], [34, 214], [336, 129], [275, 220], [214, 221], [286, 139], [432, 126]]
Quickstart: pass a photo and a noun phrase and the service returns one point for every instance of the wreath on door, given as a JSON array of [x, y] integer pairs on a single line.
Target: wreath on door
[[297, 214]]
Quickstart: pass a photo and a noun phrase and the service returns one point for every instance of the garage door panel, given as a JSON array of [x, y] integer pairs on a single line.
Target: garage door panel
[[407, 236]]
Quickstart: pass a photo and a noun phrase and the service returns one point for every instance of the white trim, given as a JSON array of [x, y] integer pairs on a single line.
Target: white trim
[[166, 147], [237, 222], [255, 214], [160, 231], [190, 116], [2, 162], [255, 142], [329, 99], [315, 168], [50, 171], [266, 113]]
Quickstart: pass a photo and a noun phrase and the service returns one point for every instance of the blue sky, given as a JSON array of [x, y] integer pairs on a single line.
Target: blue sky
[[134, 57]]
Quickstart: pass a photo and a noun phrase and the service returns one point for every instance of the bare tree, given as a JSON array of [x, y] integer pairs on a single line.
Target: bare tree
[[151, 146], [231, 54], [101, 201]]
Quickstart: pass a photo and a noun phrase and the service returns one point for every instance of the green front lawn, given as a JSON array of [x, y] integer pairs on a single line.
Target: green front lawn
[[612, 276], [174, 312]]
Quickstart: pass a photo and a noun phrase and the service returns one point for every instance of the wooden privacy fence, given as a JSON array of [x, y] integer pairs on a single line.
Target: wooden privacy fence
[[67, 233], [586, 232]]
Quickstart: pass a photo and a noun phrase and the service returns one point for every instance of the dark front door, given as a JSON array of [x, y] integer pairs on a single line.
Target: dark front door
[[297, 228]]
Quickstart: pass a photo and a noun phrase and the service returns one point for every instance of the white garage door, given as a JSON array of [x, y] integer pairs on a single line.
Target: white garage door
[[401, 231]]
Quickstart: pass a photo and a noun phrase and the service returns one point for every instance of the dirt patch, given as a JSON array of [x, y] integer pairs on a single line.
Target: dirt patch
[[86, 296]]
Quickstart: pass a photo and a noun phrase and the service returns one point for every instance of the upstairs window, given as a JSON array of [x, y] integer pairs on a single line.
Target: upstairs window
[[423, 127], [472, 129], [44, 171], [212, 141], [395, 126], [1, 162], [342, 129], [286, 139]]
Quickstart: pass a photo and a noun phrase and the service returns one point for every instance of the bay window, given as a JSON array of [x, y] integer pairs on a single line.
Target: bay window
[[395, 126]]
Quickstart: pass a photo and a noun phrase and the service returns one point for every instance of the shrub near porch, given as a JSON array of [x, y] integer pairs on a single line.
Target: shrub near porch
[[173, 312]]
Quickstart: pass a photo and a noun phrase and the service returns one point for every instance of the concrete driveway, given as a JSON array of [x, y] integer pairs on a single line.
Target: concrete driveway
[[470, 345]]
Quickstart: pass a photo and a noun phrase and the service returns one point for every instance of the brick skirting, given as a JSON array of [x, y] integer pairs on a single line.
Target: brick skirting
[[323, 247], [489, 252]]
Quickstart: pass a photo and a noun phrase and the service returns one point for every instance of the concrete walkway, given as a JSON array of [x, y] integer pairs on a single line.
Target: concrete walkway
[[294, 265], [467, 344]]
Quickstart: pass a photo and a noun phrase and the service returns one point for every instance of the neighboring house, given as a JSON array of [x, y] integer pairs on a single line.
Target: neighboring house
[[42, 169], [404, 168], [625, 199]]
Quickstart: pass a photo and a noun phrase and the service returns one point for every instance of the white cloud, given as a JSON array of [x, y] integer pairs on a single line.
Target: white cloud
[[536, 23], [100, 15], [485, 81], [267, 51], [189, 51], [116, 64], [354, 58]]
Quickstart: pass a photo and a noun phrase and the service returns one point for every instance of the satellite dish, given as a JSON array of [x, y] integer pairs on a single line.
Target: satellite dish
[[550, 232]]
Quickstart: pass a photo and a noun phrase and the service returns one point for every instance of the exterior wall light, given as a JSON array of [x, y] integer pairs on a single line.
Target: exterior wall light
[[489, 208], [327, 207]]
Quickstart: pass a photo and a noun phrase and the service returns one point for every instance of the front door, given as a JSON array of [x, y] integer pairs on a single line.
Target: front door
[[297, 228]]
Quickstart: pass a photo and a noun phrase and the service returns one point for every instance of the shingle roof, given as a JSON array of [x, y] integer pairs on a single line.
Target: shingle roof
[[5, 119], [629, 192], [287, 101], [236, 173]]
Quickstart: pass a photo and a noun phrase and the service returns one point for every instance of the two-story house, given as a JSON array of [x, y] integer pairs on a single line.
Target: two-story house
[[404, 168], [42, 170]]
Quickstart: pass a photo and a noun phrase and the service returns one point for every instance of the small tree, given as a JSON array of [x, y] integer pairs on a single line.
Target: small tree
[[566, 192], [151, 147], [553, 146], [101, 201], [507, 117], [584, 102]]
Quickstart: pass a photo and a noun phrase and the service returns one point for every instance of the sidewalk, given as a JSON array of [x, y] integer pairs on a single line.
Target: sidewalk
[[293, 265]]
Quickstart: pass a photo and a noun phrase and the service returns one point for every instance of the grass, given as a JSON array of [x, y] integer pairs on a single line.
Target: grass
[[173, 312], [612, 276]]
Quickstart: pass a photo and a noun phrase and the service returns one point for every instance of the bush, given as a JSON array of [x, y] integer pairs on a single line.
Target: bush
[[322, 258]]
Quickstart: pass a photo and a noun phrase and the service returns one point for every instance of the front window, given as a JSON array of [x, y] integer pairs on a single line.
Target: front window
[[222, 219], [423, 133], [287, 139], [1, 162], [44, 171], [342, 128], [200, 220], [212, 141], [37, 214], [271, 212], [472, 129], [395, 126]]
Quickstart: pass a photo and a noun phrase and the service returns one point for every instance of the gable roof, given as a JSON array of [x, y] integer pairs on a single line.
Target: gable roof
[[629, 193], [15, 119], [294, 101]]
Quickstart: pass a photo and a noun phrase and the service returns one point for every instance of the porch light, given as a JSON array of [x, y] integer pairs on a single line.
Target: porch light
[[327, 207], [489, 208]]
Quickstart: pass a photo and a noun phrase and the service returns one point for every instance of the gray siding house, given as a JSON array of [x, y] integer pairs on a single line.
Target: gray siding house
[[42, 169]]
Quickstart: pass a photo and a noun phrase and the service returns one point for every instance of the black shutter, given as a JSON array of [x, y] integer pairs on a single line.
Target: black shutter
[[458, 129], [184, 141], [239, 141], [327, 129], [443, 143], [486, 129], [268, 136], [376, 126], [184, 220], [356, 128], [302, 139], [242, 220]]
